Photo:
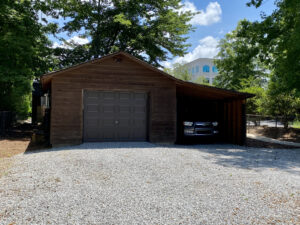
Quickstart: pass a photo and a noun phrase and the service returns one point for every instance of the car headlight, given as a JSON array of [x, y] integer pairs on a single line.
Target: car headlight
[[215, 124], [186, 123], [189, 131]]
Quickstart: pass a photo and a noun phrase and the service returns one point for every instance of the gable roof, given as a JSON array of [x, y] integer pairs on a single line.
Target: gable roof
[[182, 85]]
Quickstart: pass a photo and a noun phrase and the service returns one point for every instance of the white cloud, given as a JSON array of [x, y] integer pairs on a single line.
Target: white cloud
[[207, 48], [212, 13], [107, 3], [76, 40], [166, 64]]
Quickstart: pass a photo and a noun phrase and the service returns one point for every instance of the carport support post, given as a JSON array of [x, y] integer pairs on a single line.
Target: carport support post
[[244, 123]]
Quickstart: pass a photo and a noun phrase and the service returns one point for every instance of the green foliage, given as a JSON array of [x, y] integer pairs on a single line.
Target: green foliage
[[285, 105], [255, 105], [262, 57], [202, 80], [146, 29], [238, 61], [179, 71], [66, 57], [277, 38], [22, 54], [296, 124]]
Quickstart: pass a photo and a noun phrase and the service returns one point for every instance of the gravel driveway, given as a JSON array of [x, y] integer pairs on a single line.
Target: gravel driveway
[[143, 183]]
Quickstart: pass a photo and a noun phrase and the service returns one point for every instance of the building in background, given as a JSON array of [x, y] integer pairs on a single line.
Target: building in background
[[203, 67]]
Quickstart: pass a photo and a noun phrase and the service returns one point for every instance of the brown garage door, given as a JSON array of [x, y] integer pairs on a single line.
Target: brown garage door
[[115, 116]]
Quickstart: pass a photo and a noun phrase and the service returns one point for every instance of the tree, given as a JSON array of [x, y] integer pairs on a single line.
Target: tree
[[146, 29], [277, 37], [202, 80], [180, 71], [265, 55], [255, 105], [66, 57], [238, 61], [23, 54], [284, 105], [240, 68]]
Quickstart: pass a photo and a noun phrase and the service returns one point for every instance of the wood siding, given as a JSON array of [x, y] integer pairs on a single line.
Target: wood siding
[[234, 123], [109, 74]]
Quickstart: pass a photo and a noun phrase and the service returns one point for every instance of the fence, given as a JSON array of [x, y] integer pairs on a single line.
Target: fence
[[260, 120], [5, 121]]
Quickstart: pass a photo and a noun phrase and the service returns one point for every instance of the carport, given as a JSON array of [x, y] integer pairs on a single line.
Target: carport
[[205, 103]]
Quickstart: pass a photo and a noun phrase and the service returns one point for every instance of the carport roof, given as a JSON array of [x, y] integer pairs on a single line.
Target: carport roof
[[183, 87]]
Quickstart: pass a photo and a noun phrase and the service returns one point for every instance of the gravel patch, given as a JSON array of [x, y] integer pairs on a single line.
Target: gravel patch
[[143, 183]]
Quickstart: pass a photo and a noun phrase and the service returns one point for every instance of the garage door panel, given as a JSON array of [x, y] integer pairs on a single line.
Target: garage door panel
[[108, 95], [91, 94], [115, 116], [139, 96], [92, 108], [108, 122], [92, 132], [139, 134], [124, 96], [92, 122], [107, 108], [92, 115], [123, 123], [109, 134], [138, 124], [140, 109], [123, 135], [91, 100], [124, 109]]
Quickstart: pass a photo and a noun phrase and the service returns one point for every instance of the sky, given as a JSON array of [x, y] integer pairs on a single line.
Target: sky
[[216, 18]]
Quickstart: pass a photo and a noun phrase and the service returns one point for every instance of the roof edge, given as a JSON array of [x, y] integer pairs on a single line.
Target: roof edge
[[48, 76]]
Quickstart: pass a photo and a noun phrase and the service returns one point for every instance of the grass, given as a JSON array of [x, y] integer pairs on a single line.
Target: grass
[[296, 124]]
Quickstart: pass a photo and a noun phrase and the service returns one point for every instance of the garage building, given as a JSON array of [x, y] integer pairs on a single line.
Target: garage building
[[121, 98]]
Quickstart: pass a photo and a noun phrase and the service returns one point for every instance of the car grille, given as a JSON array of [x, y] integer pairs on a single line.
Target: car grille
[[203, 124], [204, 132]]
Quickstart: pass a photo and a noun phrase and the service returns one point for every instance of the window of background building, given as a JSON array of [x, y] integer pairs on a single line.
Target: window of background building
[[197, 69], [214, 69], [206, 69], [206, 80], [193, 71]]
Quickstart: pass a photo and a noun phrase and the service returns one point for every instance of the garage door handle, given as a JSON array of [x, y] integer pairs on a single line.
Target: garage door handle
[[116, 122]]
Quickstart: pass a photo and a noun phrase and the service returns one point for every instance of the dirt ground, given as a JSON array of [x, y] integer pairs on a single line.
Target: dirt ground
[[11, 147], [18, 140], [279, 133]]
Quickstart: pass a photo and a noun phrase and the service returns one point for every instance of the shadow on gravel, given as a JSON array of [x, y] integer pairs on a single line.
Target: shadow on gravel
[[93, 146], [222, 154], [254, 158]]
